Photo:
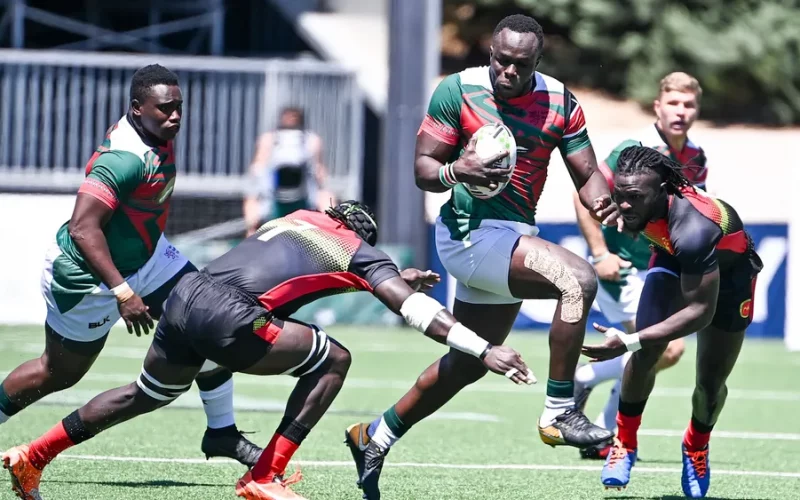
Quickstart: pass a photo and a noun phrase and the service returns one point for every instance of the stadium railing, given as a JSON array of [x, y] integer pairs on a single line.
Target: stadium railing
[[57, 105]]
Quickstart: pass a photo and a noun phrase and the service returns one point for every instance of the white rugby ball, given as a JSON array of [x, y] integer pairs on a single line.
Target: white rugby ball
[[493, 138]]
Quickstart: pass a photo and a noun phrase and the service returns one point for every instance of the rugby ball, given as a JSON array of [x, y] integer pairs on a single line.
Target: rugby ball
[[491, 139]]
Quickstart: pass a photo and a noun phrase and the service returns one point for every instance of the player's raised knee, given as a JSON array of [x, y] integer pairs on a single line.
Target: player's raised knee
[[587, 279]]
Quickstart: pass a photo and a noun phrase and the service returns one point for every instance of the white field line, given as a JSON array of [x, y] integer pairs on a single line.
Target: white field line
[[315, 463], [482, 387]]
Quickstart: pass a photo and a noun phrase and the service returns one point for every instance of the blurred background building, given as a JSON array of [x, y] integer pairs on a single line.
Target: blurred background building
[[362, 71]]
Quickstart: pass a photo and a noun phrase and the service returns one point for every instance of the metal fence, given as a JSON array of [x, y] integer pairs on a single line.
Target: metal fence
[[56, 106]]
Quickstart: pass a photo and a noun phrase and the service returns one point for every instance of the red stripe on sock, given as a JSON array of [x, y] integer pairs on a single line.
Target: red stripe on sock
[[47, 447], [627, 429], [695, 440], [274, 459]]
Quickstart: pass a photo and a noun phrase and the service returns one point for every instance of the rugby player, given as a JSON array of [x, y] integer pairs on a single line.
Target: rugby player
[[702, 278], [111, 260], [619, 260], [490, 246], [237, 313]]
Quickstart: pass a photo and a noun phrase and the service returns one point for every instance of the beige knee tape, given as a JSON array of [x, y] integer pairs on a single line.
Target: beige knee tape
[[554, 271]]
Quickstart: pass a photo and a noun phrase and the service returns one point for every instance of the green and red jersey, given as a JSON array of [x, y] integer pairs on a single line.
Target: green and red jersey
[[546, 118], [135, 178]]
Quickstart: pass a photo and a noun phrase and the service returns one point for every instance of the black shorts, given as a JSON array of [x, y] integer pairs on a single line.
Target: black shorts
[[737, 286], [204, 319]]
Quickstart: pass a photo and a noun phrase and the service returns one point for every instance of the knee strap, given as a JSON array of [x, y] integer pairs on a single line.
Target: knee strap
[[157, 390]]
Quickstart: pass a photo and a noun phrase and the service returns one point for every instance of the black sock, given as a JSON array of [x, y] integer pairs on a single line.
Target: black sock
[[631, 409], [700, 426], [76, 430], [292, 430]]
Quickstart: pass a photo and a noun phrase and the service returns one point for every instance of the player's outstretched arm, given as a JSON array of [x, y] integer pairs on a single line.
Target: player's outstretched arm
[[86, 229], [699, 293], [430, 317]]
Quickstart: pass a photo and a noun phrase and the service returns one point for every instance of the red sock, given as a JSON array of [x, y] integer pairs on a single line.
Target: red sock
[[44, 449], [627, 427], [274, 459], [695, 440]]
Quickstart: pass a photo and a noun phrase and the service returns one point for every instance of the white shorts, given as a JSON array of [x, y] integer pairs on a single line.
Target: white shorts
[[481, 262], [96, 312], [624, 309]]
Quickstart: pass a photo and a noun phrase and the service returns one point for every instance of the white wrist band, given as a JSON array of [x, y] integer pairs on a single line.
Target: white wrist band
[[123, 292], [631, 341], [601, 258], [465, 340]]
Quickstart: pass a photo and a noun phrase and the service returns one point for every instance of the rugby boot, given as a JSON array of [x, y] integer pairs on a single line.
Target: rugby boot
[[696, 474], [278, 489], [368, 457], [25, 477], [572, 428], [231, 444], [617, 469], [598, 452]]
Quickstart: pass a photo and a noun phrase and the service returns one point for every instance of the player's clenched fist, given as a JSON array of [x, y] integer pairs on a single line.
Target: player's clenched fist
[[506, 361]]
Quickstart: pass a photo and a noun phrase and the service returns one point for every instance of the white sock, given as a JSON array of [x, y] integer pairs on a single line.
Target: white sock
[[3, 418], [383, 436], [218, 405], [592, 374], [554, 407], [608, 419]]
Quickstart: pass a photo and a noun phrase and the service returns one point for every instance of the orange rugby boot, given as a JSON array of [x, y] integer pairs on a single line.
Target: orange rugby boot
[[24, 476], [276, 490]]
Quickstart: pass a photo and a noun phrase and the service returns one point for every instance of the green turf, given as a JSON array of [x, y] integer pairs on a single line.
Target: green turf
[[492, 424]]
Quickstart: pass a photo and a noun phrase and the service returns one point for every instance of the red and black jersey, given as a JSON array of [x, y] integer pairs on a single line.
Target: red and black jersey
[[300, 258], [702, 233]]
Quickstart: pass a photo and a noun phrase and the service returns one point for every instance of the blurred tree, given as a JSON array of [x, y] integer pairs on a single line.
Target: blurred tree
[[746, 53]]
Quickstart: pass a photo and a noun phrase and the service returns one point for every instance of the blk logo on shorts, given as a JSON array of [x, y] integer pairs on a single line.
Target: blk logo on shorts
[[746, 308], [98, 324]]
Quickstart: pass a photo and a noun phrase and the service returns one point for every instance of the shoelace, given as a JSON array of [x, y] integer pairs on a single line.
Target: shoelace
[[617, 454], [699, 462], [295, 478], [576, 420]]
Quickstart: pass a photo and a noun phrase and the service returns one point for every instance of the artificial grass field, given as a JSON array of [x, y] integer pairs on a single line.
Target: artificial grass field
[[483, 445]]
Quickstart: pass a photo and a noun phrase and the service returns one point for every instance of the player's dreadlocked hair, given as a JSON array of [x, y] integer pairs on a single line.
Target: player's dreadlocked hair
[[519, 23], [358, 217], [148, 77], [635, 159]]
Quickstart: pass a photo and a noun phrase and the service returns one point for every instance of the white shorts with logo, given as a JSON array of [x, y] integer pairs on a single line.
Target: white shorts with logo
[[481, 262], [624, 309], [97, 312]]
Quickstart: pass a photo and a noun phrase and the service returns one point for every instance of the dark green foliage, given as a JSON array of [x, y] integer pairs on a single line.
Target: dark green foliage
[[746, 53]]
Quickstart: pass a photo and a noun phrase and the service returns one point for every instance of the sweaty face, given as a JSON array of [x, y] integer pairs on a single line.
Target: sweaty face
[[161, 111], [676, 111], [640, 198], [513, 58]]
